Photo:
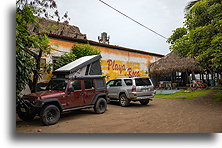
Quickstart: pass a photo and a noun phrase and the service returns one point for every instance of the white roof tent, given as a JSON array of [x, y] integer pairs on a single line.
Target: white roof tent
[[87, 65]]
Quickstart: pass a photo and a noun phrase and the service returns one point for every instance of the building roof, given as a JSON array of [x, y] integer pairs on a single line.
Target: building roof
[[85, 41], [173, 63], [72, 33]]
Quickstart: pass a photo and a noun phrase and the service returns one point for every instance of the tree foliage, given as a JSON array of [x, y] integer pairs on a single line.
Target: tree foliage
[[65, 59], [84, 50], [24, 61], [76, 52], [31, 45], [201, 35]]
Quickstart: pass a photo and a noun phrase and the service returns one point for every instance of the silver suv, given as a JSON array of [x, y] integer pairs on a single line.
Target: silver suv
[[129, 89]]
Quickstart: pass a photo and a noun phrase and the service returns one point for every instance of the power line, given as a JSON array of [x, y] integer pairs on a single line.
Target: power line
[[133, 19]]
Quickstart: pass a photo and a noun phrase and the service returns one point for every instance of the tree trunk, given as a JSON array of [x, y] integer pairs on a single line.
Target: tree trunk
[[36, 72]]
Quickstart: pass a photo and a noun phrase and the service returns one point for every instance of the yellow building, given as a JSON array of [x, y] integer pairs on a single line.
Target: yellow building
[[116, 61]]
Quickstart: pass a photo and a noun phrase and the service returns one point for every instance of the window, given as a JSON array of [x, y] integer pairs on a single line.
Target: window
[[100, 83], [142, 81], [57, 85], [118, 83], [128, 82], [114, 83], [76, 85], [110, 83], [88, 84]]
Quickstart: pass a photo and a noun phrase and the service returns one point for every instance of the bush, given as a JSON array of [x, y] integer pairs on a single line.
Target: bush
[[65, 59], [76, 52], [84, 50]]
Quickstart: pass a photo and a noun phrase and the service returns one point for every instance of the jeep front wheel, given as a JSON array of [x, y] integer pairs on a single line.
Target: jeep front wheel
[[50, 115], [25, 115], [123, 100], [100, 106]]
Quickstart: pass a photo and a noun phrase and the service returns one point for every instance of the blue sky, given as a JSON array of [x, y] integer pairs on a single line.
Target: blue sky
[[93, 18]]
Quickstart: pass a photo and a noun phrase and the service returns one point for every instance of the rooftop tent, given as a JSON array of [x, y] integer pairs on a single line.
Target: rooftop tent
[[87, 65]]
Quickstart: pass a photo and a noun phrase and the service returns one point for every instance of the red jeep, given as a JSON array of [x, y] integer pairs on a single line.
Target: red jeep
[[62, 95]]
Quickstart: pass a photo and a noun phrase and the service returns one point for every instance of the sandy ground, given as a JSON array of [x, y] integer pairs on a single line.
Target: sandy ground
[[199, 115]]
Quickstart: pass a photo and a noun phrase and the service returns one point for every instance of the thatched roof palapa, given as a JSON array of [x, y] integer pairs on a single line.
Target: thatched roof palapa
[[174, 63]]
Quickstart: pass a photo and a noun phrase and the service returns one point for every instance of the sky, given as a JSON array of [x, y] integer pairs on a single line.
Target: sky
[[93, 17]]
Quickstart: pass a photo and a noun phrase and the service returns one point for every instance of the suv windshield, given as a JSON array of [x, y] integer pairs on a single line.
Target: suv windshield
[[57, 85], [142, 81]]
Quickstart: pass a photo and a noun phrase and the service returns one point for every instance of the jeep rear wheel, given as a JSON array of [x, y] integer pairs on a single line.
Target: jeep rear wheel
[[123, 100], [100, 106], [144, 102], [50, 115]]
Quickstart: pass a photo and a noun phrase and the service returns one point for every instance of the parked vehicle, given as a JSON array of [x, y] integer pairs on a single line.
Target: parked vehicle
[[129, 89], [62, 95]]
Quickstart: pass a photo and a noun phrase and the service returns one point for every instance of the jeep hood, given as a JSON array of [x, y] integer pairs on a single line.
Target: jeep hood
[[47, 94]]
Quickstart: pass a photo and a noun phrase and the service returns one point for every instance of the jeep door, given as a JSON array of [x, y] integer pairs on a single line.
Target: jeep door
[[113, 88], [75, 96], [89, 91]]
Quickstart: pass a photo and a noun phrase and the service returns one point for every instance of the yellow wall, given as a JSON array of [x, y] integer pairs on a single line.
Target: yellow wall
[[114, 63]]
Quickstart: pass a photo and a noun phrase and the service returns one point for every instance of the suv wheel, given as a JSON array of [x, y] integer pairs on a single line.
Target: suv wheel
[[123, 100], [144, 102], [108, 100], [25, 116], [100, 106], [50, 115]]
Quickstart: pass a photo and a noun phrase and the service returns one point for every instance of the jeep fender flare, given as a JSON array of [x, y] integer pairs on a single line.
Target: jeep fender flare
[[53, 101], [97, 96]]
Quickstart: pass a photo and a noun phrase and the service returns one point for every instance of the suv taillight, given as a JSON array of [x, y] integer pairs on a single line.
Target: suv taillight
[[134, 88]]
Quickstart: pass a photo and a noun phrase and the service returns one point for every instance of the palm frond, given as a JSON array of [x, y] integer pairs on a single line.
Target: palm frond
[[190, 5]]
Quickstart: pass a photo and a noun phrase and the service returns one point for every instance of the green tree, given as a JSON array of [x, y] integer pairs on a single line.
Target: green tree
[[76, 52], [31, 45], [24, 61], [201, 35], [65, 59], [190, 5], [84, 50]]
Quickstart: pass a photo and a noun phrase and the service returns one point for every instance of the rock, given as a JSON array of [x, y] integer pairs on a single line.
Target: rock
[[39, 130]]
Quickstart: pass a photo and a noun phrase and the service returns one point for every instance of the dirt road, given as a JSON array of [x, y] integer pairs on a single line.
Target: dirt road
[[199, 115]]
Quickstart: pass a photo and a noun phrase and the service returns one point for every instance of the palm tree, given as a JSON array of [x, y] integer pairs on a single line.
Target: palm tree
[[190, 5]]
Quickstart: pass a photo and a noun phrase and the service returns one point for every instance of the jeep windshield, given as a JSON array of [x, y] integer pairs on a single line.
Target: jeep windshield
[[142, 82], [57, 85]]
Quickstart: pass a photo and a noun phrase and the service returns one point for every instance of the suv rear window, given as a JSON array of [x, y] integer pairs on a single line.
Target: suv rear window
[[142, 81], [128, 82], [100, 83]]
